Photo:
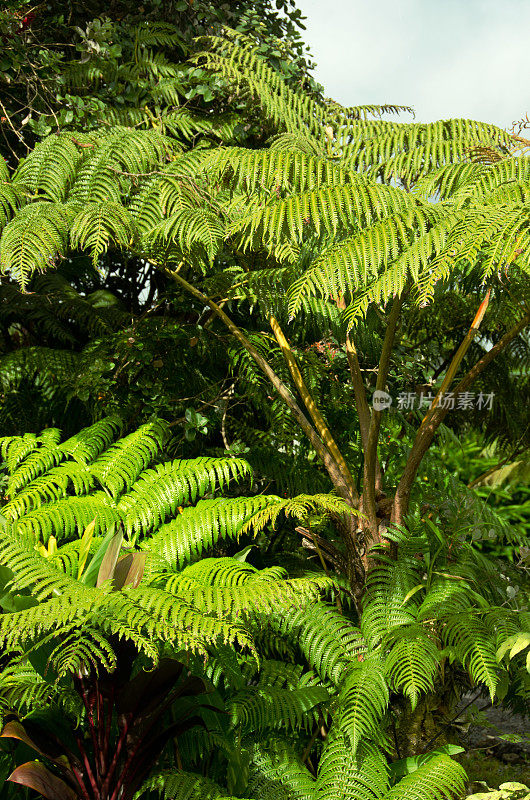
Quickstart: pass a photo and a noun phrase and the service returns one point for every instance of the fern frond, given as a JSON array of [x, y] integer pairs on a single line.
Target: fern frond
[[234, 57], [363, 701], [412, 662], [299, 507], [475, 647], [440, 778], [227, 586], [197, 529], [89, 443], [160, 490], [118, 154], [263, 708], [50, 169], [329, 641], [277, 773], [34, 239], [343, 774], [118, 467], [69, 516], [174, 785], [99, 225]]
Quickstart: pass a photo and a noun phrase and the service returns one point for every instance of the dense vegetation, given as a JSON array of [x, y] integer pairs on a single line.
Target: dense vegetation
[[264, 383]]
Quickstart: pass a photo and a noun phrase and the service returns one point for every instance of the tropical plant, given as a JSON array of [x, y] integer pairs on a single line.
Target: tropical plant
[[395, 256], [374, 241], [75, 610]]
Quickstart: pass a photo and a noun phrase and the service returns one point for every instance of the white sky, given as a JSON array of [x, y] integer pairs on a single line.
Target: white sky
[[446, 58]]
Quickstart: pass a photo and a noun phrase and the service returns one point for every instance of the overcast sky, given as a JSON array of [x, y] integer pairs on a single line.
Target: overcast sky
[[447, 58]]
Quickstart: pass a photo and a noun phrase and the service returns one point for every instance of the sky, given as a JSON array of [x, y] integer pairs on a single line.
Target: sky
[[446, 58]]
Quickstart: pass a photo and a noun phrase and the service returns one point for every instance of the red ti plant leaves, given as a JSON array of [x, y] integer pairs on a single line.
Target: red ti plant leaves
[[129, 570], [110, 559], [43, 743], [35, 775]]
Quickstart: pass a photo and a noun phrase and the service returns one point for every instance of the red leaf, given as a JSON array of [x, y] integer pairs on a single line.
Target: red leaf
[[110, 558], [34, 775], [14, 730], [129, 570]]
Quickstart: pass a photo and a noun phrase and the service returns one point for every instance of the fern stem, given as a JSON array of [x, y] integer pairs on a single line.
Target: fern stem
[[361, 403], [459, 355], [431, 422], [312, 407], [370, 453], [335, 474]]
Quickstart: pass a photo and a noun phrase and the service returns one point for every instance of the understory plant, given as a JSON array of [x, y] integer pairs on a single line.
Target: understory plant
[[132, 654]]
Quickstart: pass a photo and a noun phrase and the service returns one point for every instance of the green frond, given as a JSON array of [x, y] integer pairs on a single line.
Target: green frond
[[30, 570], [329, 641], [475, 647], [15, 449], [299, 507], [262, 708], [34, 239], [412, 662], [446, 596], [50, 169], [440, 778], [160, 491], [191, 229], [37, 462], [393, 245], [89, 443], [320, 211], [68, 517], [173, 785], [236, 59], [411, 150], [387, 606], [228, 586], [22, 689], [343, 773], [46, 368], [100, 225], [277, 773], [198, 528], [269, 171], [117, 468], [12, 197], [120, 153], [363, 701], [180, 622], [153, 32]]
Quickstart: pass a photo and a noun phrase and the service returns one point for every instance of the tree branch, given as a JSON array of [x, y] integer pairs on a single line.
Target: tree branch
[[361, 403], [432, 421], [370, 453], [337, 478], [314, 411]]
